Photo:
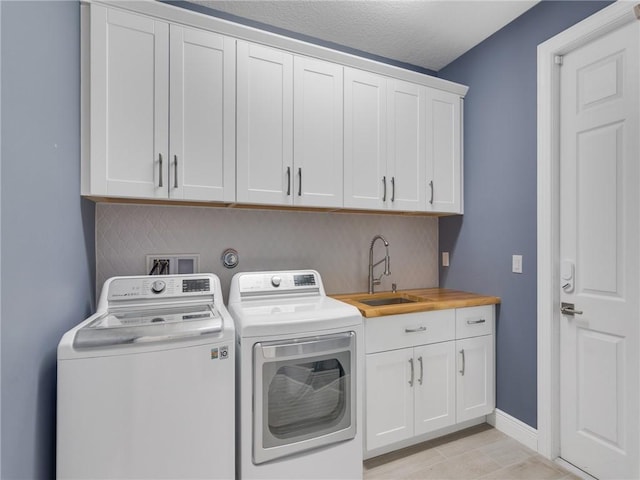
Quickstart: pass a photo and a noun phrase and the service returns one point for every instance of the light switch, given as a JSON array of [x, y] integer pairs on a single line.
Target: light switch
[[516, 263], [445, 259]]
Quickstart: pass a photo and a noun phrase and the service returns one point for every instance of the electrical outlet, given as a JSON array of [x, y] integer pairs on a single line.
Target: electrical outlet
[[445, 259], [173, 264]]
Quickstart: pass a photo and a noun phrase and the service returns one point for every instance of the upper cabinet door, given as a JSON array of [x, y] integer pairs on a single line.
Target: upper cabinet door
[[264, 125], [365, 121], [405, 145], [444, 152], [202, 140], [129, 104], [317, 140]]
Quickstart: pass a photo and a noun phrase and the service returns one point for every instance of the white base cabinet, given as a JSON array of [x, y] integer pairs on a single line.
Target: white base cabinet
[[427, 371]]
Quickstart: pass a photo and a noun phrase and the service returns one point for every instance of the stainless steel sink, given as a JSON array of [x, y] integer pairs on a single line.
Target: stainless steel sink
[[378, 302]]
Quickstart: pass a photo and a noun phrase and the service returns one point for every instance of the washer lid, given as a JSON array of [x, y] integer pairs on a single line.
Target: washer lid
[[121, 327]]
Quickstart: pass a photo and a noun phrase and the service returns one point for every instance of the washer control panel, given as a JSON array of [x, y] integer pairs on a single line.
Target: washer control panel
[[267, 283], [146, 287]]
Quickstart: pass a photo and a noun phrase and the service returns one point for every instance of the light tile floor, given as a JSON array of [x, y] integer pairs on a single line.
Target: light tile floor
[[481, 452]]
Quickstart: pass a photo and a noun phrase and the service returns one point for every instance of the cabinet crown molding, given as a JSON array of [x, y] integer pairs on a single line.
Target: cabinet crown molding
[[172, 13]]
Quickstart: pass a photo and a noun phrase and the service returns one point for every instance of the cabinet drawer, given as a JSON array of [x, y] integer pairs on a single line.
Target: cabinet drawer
[[400, 331], [474, 321]]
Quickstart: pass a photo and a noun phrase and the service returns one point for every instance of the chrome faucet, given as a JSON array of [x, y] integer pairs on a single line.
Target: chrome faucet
[[387, 260]]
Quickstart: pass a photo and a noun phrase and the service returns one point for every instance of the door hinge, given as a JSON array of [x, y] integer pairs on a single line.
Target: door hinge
[[557, 59]]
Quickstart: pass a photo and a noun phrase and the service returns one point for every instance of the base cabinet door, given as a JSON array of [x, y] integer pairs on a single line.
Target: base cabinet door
[[435, 389], [475, 379], [389, 397]]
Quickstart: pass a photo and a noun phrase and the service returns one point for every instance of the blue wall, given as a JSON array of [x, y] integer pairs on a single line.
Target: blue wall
[[47, 242], [500, 190]]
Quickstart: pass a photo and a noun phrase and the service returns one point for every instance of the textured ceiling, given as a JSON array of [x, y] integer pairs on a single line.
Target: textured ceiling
[[426, 33]]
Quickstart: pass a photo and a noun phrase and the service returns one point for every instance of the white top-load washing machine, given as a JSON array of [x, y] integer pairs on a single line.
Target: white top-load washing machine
[[146, 386], [300, 364]]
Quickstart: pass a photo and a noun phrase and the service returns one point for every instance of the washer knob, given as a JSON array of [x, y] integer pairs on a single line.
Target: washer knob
[[275, 281], [158, 286]]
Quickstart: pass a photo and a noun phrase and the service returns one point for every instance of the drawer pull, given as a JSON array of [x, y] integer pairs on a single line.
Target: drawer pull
[[475, 322], [414, 330]]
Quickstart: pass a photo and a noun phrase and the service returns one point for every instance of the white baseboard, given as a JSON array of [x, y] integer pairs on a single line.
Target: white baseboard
[[514, 428]]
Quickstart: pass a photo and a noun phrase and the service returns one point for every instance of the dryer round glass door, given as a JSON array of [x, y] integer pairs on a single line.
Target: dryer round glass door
[[304, 394]]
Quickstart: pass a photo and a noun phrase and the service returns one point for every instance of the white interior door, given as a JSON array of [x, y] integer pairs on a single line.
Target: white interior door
[[599, 245]]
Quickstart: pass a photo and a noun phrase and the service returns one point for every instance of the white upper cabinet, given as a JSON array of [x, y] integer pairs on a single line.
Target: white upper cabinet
[[180, 112], [289, 129], [202, 113], [405, 145], [384, 143], [365, 140], [129, 98], [264, 125], [444, 152], [317, 133], [161, 117]]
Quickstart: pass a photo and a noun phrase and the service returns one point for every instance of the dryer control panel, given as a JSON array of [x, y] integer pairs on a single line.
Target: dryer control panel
[[280, 283]]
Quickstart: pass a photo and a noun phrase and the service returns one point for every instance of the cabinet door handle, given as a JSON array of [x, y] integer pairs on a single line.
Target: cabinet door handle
[[475, 322], [412, 372], [288, 181], [462, 370], [393, 189], [384, 192], [421, 370], [431, 185], [160, 170], [414, 330], [299, 182], [175, 171]]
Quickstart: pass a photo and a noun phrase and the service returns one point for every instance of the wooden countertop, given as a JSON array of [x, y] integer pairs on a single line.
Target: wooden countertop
[[424, 299]]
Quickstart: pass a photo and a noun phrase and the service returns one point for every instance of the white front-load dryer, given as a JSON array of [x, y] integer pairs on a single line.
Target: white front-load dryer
[[300, 364], [146, 386]]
